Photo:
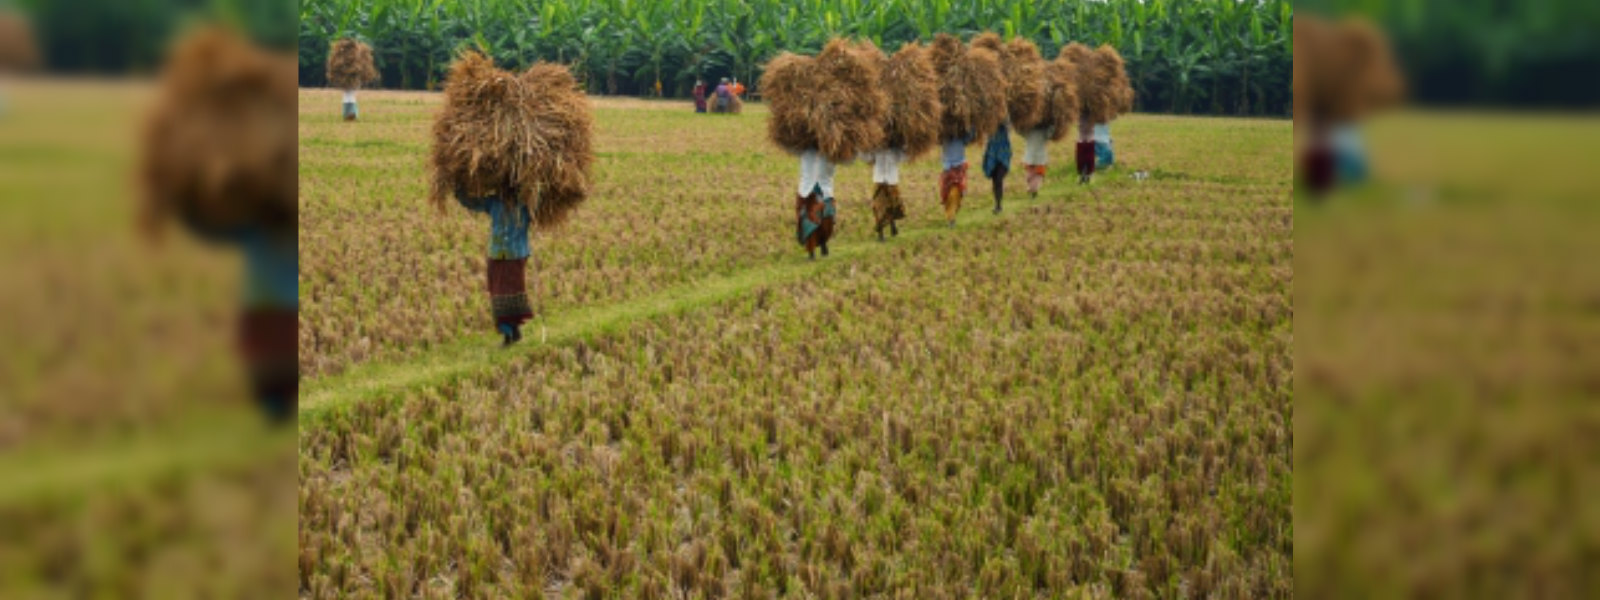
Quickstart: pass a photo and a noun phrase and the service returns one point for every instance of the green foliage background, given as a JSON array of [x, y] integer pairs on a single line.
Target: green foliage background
[[131, 36], [1489, 52], [1200, 56]]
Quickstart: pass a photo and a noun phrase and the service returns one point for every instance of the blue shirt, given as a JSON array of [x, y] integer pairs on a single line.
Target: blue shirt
[[955, 152], [509, 222], [273, 264], [271, 261], [998, 152]]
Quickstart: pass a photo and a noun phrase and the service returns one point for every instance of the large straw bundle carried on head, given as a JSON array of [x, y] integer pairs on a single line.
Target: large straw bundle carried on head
[[220, 147], [1115, 72], [832, 103], [1103, 87], [1023, 69], [350, 65], [914, 109], [499, 133], [1305, 32], [1060, 110], [972, 89], [17, 49], [1343, 71]]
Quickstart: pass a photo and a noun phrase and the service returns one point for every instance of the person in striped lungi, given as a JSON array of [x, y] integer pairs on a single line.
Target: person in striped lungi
[[508, 259]]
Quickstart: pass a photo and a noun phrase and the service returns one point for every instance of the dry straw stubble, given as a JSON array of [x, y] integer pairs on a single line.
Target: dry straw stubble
[[499, 133], [220, 146], [350, 65], [832, 103], [971, 89], [914, 108]]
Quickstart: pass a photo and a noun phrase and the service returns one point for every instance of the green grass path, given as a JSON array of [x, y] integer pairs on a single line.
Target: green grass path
[[474, 354]]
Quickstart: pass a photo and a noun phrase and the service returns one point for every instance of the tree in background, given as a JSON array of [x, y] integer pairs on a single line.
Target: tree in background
[[1198, 56]]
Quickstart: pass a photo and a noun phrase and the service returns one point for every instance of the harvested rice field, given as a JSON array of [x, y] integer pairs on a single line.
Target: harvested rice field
[[1087, 395], [131, 463]]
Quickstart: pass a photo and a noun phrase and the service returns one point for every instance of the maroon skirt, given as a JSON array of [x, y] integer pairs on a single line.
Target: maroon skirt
[[268, 340], [508, 291]]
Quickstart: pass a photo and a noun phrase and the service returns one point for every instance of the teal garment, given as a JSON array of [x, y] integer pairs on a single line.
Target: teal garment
[[350, 110], [1103, 156], [509, 224], [1349, 155], [807, 226], [998, 153], [273, 264], [271, 260]]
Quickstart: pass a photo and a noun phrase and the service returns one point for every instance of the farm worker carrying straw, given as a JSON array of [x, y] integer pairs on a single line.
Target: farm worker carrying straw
[[218, 158], [972, 90], [1024, 108], [1104, 91], [724, 100], [350, 66], [1057, 119], [997, 162], [1035, 158], [814, 208], [953, 180], [886, 204], [518, 148], [699, 96], [737, 88], [508, 259], [843, 76], [1344, 72], [911, 129]]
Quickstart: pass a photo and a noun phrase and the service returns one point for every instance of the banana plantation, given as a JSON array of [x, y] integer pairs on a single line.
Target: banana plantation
[[1195, 56]]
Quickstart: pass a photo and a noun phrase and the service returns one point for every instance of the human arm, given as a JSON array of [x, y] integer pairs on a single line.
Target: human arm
[[474, 204]]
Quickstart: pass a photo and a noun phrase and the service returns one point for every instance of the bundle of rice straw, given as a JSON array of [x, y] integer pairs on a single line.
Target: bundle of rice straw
[[1343, 71], [914, 109], [17, 49], [350, 65], [1301, 90], [1024, 72], [832, 103], [499, 132], [972, 89], [1116, 72], [1061, 107], [735, 106], [220, 147], [1104, 90]]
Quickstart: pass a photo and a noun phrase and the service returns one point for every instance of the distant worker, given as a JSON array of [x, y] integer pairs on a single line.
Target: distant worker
[[953, 181], [738, 88], [724, 100], [699, 96], [997, 162]]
